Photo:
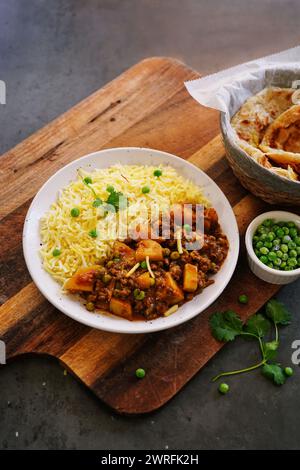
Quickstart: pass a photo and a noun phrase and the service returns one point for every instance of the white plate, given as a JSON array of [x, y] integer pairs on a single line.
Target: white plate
[[102, 159]]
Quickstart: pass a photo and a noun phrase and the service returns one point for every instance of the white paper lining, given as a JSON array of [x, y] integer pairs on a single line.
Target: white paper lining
[[240, 82]]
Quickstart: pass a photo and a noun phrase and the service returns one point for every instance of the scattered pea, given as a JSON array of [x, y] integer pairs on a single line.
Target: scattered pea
[[56, 252], [140, 373], [288, 371], [75, 212], [144, 265], [243, 299], [93, 233], [145, 189], [223, 388], [157, 173]]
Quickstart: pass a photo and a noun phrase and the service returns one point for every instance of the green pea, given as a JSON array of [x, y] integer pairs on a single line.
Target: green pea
[[284, 256], [257, 252], [110, 189], [263, 237], [264, 259], [187, 228], [292, 245], [261, 229], [298, 250], [259, 244], [144, 265], [283, 264], [268, 222], [243, 299], [292, 262], [291, 224], [75, 212], [56, 252], [90, 306], [93, 233], [97, 202], [276, 242], [106, 278], [255, 238], [275, 227], [288, 371], [293, 253], [284, 248], [286, 230], [277, 262], [140, 373], [272, 256], [268, 244], [271, 236], [145, 189], [293, 232], [157, 173], [279, 232], [139, 294], [279, 254], [270, 264], [286, 239], [223, 388], [297, 241]]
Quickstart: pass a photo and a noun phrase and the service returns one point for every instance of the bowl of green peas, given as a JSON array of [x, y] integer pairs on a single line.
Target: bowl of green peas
[[273, 247]]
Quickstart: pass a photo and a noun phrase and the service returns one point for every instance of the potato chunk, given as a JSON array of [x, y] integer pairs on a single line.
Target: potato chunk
[[123, 250], [145, 281], [120, 307], [83, 279], [149, 248], [177, 295], [190, 278]]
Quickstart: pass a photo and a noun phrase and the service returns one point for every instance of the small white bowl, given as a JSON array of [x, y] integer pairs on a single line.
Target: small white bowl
[[273, 276]]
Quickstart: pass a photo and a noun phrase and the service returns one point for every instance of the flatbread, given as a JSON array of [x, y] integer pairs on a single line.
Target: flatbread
[[267, 127], [285, 173], [281, 142], [259, 111]]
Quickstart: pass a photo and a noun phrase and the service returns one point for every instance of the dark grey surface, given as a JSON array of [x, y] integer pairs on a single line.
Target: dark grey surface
[[53, 54]]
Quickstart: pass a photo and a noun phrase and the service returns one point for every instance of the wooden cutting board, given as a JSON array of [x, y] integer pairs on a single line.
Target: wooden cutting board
[[146, 106]]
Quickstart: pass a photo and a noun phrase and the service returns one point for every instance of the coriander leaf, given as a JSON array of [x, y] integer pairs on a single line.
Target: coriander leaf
[[257, 325], [278, 312], [116, 199], [225, 326], [270, 350], [274, 372]]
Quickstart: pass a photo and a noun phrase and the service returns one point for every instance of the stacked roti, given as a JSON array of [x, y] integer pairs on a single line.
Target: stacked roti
[[268, 129]]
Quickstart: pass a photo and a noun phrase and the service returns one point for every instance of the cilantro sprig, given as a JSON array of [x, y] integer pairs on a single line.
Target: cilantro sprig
[[226, 326]]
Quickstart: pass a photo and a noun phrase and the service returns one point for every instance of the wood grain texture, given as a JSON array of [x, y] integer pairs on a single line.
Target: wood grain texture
[[146, 106]]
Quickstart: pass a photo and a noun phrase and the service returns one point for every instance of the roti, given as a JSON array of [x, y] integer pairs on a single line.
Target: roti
[[281, 142], [259, 111], [267, 127]]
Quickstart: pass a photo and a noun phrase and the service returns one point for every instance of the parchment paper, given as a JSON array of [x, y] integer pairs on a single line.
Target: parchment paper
[[238, 83]]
